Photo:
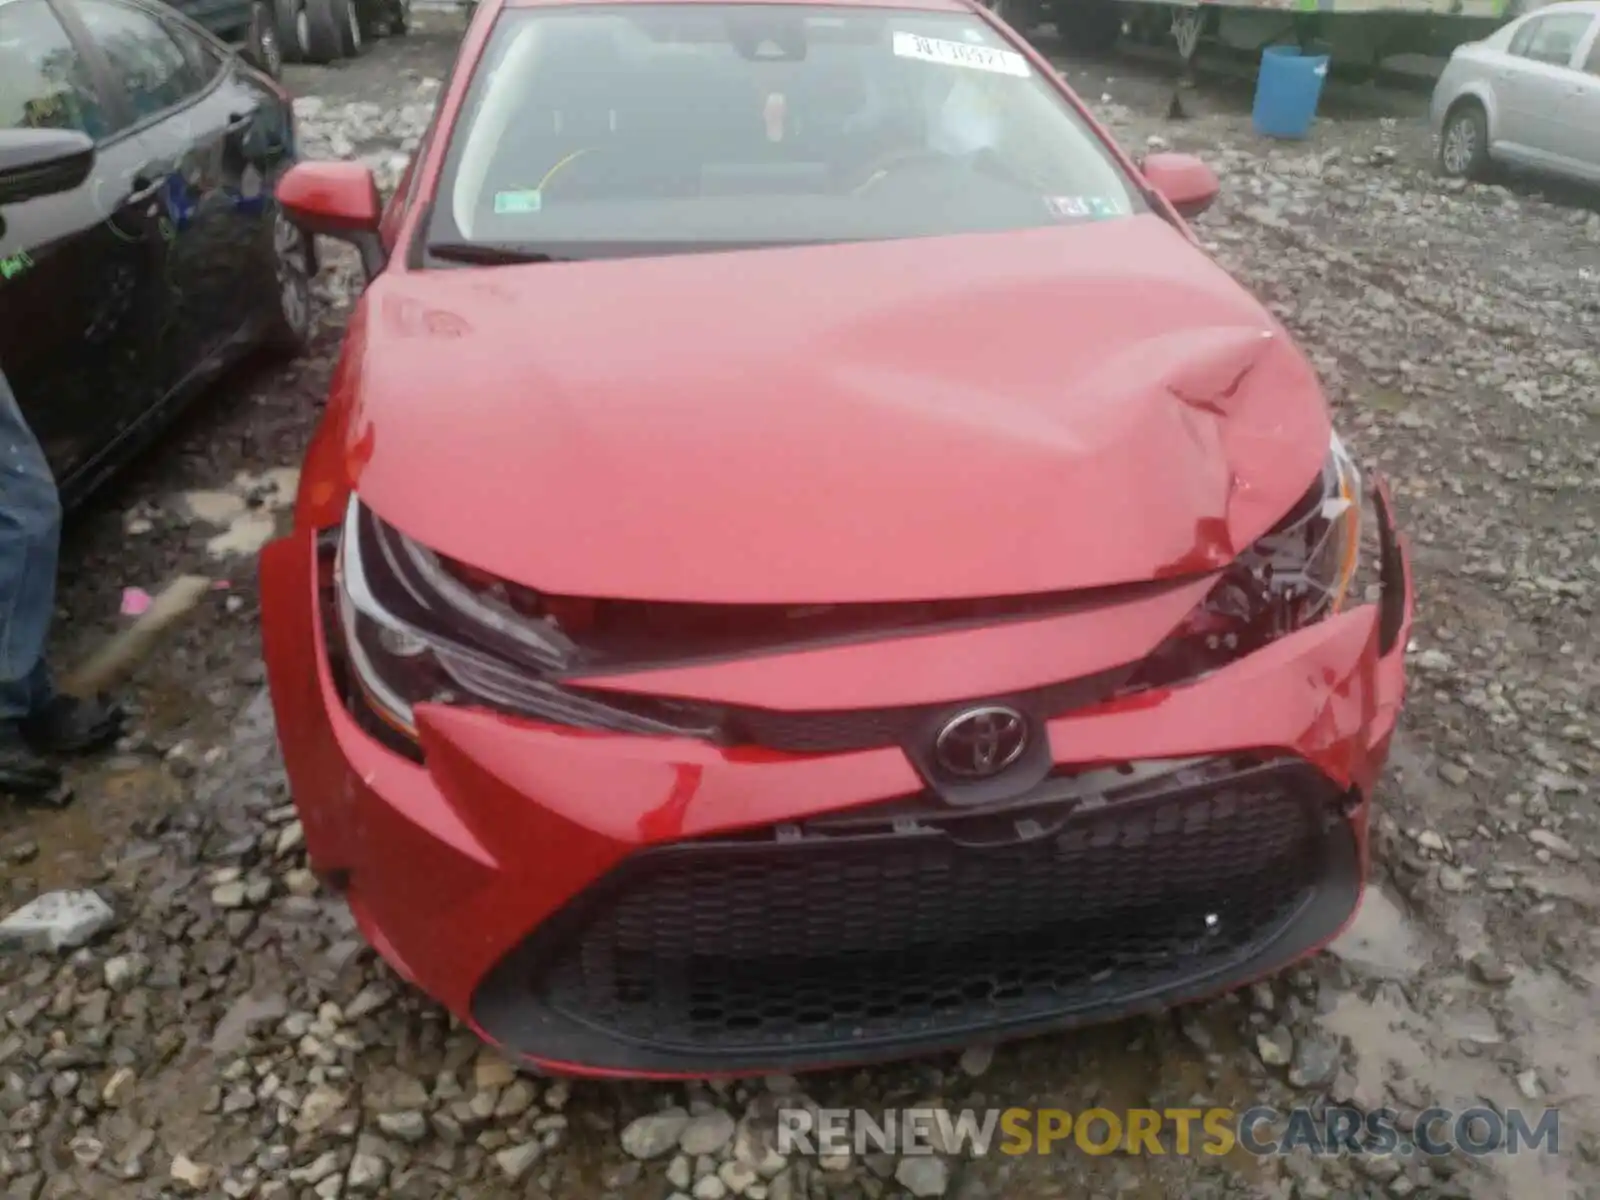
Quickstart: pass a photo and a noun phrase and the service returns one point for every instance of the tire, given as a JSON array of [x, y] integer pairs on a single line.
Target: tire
[[262, 48], [326, 28], [293, 30], [1464, 142], [399, 13], [1088, 26], [292, 265], [354, 33]]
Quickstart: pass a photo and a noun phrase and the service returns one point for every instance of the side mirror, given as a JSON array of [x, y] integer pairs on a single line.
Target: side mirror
[[1183, 181], [337, 200], [35, 163]]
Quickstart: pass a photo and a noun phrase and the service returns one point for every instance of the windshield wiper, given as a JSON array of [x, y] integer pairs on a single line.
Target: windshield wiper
[[489, 254]]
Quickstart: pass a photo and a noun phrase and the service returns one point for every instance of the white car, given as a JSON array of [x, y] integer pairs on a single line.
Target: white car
[[1528, 96]]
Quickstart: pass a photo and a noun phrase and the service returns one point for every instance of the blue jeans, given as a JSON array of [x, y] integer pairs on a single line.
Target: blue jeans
[[30, 539]]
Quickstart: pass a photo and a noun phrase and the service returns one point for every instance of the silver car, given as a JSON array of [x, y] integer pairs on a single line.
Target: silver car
[[1527, 96]]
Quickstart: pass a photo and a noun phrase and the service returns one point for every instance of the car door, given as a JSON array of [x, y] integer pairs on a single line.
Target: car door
[[256, 147], [1535, 80], [1582, 115], [80, 286], [186, 128]]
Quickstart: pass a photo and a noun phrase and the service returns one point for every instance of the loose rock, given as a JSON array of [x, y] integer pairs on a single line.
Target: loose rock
[[57, 921], [655, 1134], [923, 1175]]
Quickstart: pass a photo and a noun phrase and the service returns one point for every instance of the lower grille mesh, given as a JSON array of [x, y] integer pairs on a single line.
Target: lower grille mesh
[[829, 939]]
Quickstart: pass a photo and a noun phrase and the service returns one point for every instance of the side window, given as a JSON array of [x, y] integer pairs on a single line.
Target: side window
[[205, 61], [146, 61], [1552, 39], [1593, 65], [43, 82], [1520, 43]]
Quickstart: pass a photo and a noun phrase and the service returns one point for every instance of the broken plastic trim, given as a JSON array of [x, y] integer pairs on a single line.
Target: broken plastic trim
[[1297, 573], [420, 628], [557, 635]]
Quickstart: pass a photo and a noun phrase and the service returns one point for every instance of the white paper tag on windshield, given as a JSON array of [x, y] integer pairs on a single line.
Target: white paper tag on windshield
[[958, 54]]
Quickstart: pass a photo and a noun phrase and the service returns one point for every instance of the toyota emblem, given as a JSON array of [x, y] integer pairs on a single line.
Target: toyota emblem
[[981, 742]]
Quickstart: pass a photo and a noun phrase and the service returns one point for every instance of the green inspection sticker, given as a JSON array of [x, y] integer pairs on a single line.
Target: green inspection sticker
[[15, 264], [528, 201]]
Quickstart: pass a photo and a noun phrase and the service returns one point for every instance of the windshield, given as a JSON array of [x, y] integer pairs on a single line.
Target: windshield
[[654, 127]]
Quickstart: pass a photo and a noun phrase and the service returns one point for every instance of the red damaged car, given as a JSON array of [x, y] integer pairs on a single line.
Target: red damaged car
[[807, 561]]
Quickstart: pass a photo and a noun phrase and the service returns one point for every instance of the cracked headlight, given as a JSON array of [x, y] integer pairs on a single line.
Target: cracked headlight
[[1298, 572]]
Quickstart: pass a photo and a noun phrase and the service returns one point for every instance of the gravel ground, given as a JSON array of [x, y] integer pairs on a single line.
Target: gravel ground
[[224, 1032]]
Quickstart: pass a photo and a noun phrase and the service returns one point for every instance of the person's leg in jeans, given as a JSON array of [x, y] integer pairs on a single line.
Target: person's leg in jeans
[[35, 719]]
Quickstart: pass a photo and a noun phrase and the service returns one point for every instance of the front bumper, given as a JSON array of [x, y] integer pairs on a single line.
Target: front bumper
[[618, 905], [873, 935]]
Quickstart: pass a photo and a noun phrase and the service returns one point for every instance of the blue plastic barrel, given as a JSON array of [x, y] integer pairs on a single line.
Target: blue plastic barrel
[[1288, 88]]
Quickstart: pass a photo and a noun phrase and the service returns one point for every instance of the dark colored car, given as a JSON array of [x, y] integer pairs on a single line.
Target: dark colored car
[[123, 295], [313, 31], [807, 560], [270, 33], [252, 25]]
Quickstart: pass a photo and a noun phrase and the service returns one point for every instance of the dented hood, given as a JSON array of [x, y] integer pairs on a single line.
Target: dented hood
[[969, 416]]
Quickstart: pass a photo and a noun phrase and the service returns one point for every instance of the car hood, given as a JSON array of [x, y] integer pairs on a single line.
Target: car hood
[[983, 415]]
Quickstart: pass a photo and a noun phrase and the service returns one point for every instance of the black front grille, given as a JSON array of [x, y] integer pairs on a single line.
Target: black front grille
[[837, 731], [804, 944], [854, 729]]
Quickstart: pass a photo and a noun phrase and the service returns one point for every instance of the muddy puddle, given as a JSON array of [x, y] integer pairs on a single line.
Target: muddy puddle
[[1521, 1039], [1381, 940], [45, 848], [42, 849]]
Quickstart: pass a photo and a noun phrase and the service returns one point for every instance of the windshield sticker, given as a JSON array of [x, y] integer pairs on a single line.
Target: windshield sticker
[[957, 54], [525, 200], [1084, 207]]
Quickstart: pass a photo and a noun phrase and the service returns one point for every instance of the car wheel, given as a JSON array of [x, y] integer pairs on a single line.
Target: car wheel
[[289, 19], [399, 18], [325, 29], [1464, 142], [353, 28], [262, 47], [293, 265]]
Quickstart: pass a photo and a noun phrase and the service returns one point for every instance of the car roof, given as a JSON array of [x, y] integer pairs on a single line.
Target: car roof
[[924, 5]]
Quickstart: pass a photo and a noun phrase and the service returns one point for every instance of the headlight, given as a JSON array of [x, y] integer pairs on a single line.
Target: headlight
[[420, 628], [1298, 572], [1307, 561]]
